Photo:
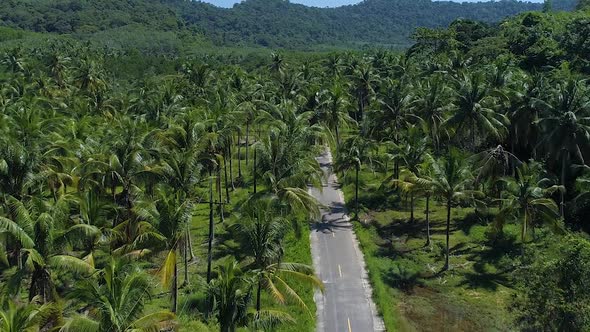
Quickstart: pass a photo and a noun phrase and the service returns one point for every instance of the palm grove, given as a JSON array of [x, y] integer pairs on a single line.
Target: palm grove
[[122, 197]]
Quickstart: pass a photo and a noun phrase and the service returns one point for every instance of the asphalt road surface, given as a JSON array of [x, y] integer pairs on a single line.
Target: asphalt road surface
[[346, 304]]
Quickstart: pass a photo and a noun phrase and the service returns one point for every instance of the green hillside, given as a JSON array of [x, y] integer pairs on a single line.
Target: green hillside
[[268, 23]]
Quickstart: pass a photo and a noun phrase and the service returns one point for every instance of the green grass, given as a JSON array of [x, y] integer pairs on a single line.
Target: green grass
[[409, 288]]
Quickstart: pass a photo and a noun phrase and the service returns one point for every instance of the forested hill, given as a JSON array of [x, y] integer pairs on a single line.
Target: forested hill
[[273, 23]]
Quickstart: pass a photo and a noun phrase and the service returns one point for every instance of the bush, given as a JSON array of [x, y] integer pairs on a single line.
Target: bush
[[555, 295], [404, 275]]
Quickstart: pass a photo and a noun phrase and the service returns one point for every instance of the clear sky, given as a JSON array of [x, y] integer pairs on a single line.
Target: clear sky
[[319, 3]]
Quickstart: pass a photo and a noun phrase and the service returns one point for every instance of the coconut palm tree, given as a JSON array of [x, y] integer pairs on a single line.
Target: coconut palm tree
[[474, 111], [493, 164], [231, 294], [286, 160], [527, 199], [451, 178], [352, 154], [334, 109], [115, 302], [566, 126], [411, 152], [36, 245], [28, 317], [260, 233], [18, 168], [363, 86], [173, 217], [430, 103]]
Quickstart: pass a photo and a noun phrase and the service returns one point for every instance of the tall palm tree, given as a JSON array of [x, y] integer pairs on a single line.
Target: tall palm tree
[[430, 103], [451, 178], [115, 302], [260, 233], [474, 111], [286, 159], [411, 152], [352, 154], [418, 183], [566, 126], [173, 217], [363, 86], [334, 109]]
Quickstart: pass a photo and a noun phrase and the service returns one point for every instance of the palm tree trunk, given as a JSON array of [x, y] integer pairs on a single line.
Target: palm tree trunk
[[446, 267], [225, 178], [19, 257], [240, 154], [512, 148], [185, 257], [356, 190], [220, 196], [428, 220], [211, 230], [114, 192], [247, 140], [337, 137], [562, 193], [255, 176], [175, 288], [258, 293], [190, 244], [231, 169], [473, 136], [411, 207]]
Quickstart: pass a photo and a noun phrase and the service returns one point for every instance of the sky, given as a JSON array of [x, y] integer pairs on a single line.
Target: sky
[[318, 3]]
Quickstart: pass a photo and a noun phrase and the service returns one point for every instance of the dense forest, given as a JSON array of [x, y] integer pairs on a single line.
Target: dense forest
[[146, 192], [269, 23]]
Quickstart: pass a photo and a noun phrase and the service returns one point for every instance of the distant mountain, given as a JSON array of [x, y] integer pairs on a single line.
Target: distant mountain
[[269, 23]]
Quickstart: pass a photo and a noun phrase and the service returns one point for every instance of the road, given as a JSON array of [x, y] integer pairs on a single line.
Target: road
[[346, 304]]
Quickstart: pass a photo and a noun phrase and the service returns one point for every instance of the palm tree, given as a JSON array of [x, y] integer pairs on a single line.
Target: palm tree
[[173, 218], [286, 160], [363, 86], [524, 114], [566, 126], [277, 62], [260, 233], [474, 111], [527, 200], [334, 65], [231, 293], [18, 166], [418, 183], [451, 178], [493, 164], [431, 104], [334, 109], [25, 317], [58, 67], [14, 61], [411, 152], [115, 302], [352, 154], [395, 101], [37, 244]]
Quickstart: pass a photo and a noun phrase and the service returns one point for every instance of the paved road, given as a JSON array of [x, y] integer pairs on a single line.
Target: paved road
[[346, 305]]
